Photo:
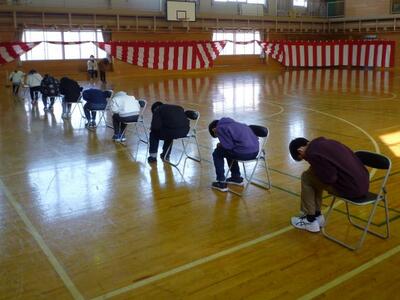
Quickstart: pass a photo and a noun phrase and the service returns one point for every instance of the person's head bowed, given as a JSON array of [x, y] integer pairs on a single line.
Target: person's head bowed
[[297, 148], [155, 106], [212, 128]]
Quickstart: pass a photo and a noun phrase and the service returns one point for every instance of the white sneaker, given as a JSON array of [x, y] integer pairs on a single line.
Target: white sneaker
[[321, 220], [303, 223]]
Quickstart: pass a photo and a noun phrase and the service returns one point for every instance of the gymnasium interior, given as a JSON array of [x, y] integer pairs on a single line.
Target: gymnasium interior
[[86, 217]]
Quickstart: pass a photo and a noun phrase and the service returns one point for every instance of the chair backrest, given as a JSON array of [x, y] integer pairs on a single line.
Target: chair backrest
[[377, 161], [194, 117], [263, 133], [109, 94], [374, 160], [142, 103]]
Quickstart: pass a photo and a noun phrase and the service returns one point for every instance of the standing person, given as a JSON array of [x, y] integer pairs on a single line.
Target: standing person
[[334, 168], [71, 91], [125, 108], [236, 142], [92, 67], [16, 78], [95, 100], [49, 89], [103, 66], [33, 80], [169, 122]]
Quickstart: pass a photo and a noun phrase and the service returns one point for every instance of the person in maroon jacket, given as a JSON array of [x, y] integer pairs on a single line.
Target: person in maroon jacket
[[333, 168]]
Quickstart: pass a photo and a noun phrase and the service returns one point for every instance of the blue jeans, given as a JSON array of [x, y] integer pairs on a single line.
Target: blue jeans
[[90, 110], [231, 157]]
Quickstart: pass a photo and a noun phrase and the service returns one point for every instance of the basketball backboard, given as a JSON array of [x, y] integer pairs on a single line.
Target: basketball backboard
[[181, 11]]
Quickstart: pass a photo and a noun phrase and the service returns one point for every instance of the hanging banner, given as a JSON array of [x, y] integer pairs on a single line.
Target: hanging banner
[[179, 55], [355, 53], [12, 50]]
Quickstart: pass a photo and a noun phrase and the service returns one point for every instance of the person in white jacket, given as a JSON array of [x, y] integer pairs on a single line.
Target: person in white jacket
[[33, 80], [92, 67], [16, 77], [125, 109]]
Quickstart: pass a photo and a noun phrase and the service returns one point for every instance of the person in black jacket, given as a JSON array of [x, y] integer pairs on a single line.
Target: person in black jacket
[[169, 122], [49, 89], [72, 93]]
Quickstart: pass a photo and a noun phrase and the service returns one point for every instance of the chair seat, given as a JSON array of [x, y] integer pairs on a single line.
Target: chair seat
[[367, 199]]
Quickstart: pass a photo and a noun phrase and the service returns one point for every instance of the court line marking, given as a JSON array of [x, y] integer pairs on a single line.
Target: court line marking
[[41, 243], [160, 276], [339, 280], [192, 264]]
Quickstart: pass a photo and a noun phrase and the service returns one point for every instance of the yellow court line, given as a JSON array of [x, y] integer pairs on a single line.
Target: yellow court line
[[339, 280], [40, 241]]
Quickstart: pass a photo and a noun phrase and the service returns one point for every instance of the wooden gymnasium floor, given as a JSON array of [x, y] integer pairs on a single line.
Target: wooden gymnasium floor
[[84, 218]]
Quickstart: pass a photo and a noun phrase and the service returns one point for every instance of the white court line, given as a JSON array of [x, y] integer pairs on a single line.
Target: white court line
[[376, 146], [339, 280], [192, 264], [40, 241]]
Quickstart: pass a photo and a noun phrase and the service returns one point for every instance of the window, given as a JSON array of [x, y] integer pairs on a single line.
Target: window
[[239, 36], [244, 1], [302, 3], [49, 51]]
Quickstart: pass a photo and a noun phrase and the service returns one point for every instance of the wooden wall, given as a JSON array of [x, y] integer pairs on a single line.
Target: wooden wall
[[365, 8]]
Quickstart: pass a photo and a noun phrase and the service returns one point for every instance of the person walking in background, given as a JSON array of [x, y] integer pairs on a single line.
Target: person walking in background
[[49, 89], [103, 66], [33, 80], [16, 78], [92, 67], [334, 168]]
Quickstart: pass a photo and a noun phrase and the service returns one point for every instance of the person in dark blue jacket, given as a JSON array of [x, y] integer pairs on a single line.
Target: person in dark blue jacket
[[236, 141], [95, 100]]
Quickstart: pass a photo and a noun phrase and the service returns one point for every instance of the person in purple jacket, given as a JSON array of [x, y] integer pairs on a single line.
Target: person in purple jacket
[[236, 141], [333, 168]]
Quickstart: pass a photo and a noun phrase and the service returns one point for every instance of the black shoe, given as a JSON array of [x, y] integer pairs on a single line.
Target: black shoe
[[235, 180], [151, 159], [221, 186], [163, 157]]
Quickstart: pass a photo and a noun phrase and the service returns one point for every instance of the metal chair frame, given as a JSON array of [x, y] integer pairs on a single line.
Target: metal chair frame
[[140, 121], [261, 156], [193, 117], [373, 160], [102, 112]]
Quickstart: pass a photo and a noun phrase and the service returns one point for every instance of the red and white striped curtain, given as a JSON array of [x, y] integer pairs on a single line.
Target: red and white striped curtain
[[180, 55], [357, 53], [12, 50]]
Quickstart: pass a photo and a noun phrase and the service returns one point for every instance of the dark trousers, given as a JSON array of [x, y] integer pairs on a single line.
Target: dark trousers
[[103, 76], [34, 91], [15, 88], [92, 74], [155, 139], [44, 99], [119, 122], [218, 156], [90, 110]]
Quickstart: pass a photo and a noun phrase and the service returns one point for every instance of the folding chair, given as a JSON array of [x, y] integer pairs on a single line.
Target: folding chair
[[140, 121], [102, 112], [262, 133], [377, 161], [76, 104], [193, 117]]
